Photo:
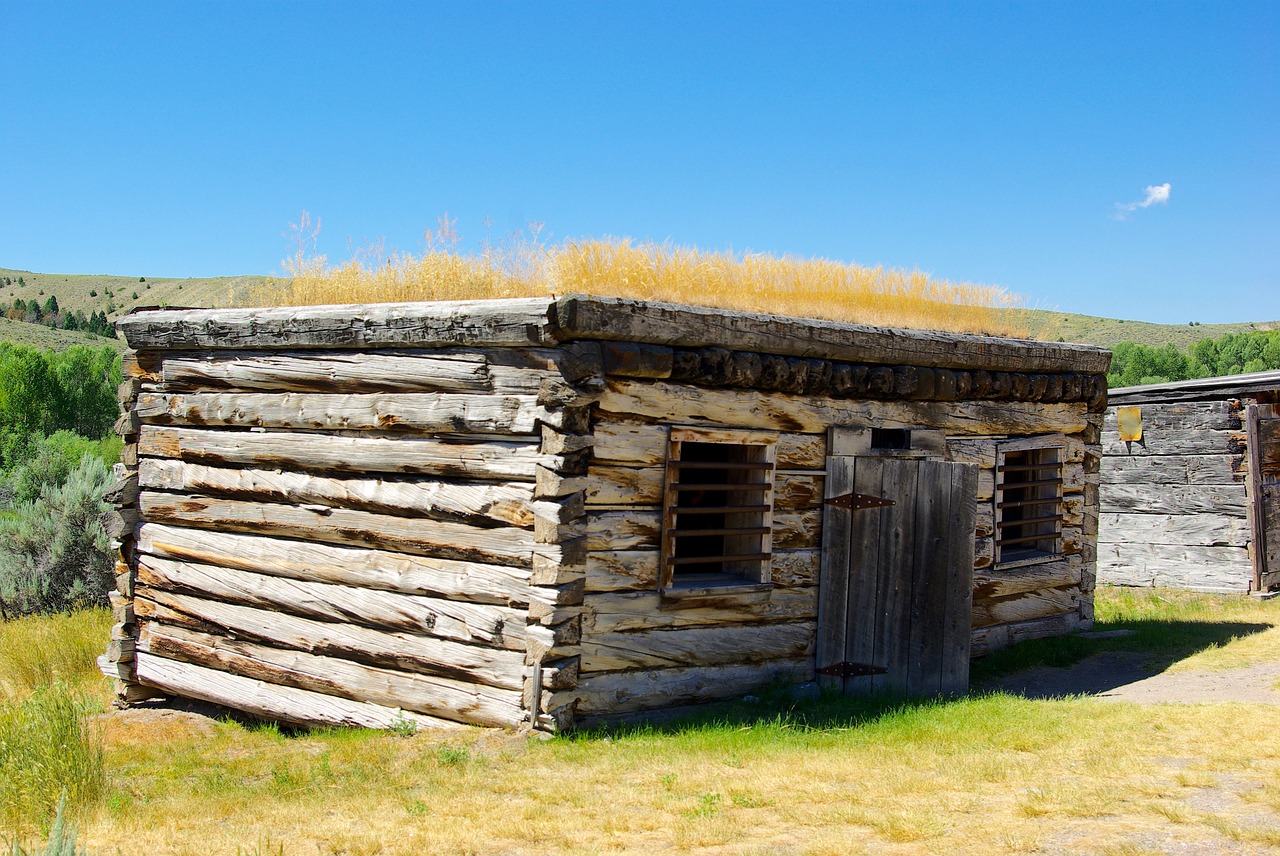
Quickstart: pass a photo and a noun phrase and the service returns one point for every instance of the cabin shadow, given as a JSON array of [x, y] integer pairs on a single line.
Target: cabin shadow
[[1094, 663]]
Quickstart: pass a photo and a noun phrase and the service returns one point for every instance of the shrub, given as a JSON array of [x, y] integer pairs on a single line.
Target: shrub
[[47, 461], [55, 551]]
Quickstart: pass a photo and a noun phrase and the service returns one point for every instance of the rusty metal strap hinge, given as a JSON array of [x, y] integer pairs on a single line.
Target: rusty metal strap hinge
[[858, 501], [852, 670]]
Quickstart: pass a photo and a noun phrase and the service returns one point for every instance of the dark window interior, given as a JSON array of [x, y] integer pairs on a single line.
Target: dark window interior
[[1029, 504], [890, 438], [718, 514]]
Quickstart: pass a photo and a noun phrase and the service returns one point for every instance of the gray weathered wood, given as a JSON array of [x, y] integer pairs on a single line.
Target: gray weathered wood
[[646, 690], [448, 700], [476, 624], [269, 701], [1222, 569], [489, 459], [695, 646], [1228, 499], [414, 652], [618, 612], [476, 502], [637, 570], [624, 320], [1203, 530], [1170, 469], [1025, 606], [423, 536], [1198, 442], [611, 486], [459, 413], [363, 568], [511, 322], [667, 402]]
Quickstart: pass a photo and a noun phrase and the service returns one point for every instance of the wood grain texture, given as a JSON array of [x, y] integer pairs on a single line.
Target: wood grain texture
[[482, 503], [1136, 563], [618, 319], [412, 652], [696, 646], [1225, 499], [475, 624], [620, 612], [325, 563], [500, 460], [1200, 530], [1210, 469], [274, 702], [683, 405], [612, 693]]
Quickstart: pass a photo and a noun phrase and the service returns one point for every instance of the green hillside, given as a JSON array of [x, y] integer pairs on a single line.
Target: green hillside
[[40, 336], [1108, 332]]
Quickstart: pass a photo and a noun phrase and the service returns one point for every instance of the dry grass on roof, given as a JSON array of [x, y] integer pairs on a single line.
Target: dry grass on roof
[[811, 288]]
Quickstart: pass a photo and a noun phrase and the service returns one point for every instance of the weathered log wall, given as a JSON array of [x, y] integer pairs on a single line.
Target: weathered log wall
[[359, 536], [451, 513], [1174, 504]]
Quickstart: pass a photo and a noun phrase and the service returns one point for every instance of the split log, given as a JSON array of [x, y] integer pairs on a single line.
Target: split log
[[510, 322], [636, 529], [696, 646], [608, 486], [661, 401], [637, 570], [1201, 530], [1025, 606], [400, 411], [483, 503], [1136, 563], [476, 624], [619, 612], [412, 652], [1215, 469], [604, 694], [625, 320], [1181, 443], [423, 536], [269, 701], [995, 585], [489, 459], [1228, 499], [362, 568], [987, 640], [636, 444], [1182, 417]]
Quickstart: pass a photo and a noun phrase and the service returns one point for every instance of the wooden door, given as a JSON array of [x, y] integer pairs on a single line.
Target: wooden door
[[896, 584], [1263, 434]]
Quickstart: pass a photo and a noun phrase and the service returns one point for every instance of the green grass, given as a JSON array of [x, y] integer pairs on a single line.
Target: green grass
[[40, 336], [1052, 326]]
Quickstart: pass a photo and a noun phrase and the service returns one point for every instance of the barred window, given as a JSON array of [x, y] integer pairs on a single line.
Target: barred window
[[717, 508], [1028, 501]]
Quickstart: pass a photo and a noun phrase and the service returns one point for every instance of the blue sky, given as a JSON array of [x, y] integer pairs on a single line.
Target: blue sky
[[984, 141]]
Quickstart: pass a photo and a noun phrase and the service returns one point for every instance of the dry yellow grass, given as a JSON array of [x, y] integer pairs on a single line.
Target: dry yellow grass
[[523, 267]]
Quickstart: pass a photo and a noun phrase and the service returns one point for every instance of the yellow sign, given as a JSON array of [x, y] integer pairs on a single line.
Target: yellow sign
[[1129, 420]]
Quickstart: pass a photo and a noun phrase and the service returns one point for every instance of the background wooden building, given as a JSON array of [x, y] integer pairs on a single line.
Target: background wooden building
[[1191, 485], [566, 509]]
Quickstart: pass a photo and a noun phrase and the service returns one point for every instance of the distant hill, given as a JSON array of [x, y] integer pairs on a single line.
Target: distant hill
[[40, 336], [116, 295]]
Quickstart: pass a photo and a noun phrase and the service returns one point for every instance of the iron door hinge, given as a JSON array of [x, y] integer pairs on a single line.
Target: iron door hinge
[[858, 501], [852, 670]]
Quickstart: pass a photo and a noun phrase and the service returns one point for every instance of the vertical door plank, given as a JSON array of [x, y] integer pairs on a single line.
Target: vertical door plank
[[957, 619], [867, 576], [833, 574], [895, 573], [930, 563]]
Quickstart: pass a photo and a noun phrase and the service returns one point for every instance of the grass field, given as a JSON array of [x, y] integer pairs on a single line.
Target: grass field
[[986, 774]]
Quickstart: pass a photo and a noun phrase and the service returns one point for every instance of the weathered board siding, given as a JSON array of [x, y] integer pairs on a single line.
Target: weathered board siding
[[451, 513], [1174, 505]]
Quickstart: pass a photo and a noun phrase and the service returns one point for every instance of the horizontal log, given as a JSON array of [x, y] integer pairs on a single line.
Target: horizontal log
[[476, 503], [1228, 499], [476, 624], [447, 700], [637, 570], [510, 322], [1216, 469], [1137, 563], [620, 612], [640, 486], [617, 319], [392, 411], [269, 701], [1189, 443], [1024, 606], [422, 536], [1162, 419], [987, 640], [469, 664], [1202, 530], [603, 694], [359, 567], [729, 408], [995, 585], [696, 646], [504, 371], [636, 529], [635, 444], [489, 459]]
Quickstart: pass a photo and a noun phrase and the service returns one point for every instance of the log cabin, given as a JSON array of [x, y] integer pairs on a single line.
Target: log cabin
[[1190, 494], [556, 512]]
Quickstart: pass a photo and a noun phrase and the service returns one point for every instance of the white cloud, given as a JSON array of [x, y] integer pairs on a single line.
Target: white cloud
[[1156, 193]]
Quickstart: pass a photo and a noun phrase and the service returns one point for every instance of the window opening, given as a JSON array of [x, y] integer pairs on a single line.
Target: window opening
[[1028, 511], [717, 513], [891, 438]]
